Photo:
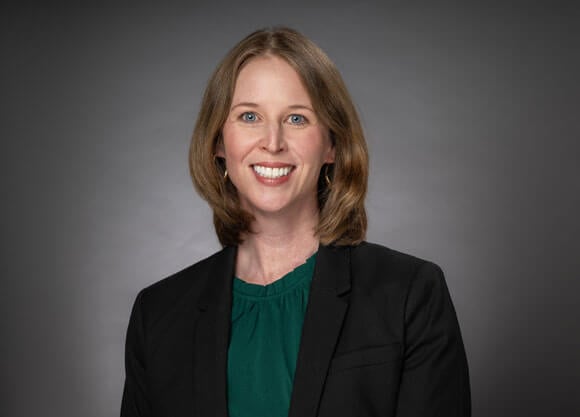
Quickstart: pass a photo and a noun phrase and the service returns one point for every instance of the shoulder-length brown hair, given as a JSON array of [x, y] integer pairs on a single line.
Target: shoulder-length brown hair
[[342, 185]]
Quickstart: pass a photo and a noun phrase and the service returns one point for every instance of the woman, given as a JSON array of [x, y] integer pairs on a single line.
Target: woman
[[297, 315]]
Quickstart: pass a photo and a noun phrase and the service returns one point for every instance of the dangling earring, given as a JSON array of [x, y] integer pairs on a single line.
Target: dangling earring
[[219, 166], [326, 178]]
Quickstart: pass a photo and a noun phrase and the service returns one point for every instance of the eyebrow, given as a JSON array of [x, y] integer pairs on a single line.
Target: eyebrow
[[254, 105]]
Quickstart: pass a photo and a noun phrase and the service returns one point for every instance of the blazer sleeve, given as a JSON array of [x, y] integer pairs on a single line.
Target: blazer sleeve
[[435, 379], [135, 402]]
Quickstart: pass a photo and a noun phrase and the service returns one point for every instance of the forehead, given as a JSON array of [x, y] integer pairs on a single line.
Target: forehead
[[269, 78]]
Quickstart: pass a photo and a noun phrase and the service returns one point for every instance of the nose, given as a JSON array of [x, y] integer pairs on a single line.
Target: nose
[[273, 141]]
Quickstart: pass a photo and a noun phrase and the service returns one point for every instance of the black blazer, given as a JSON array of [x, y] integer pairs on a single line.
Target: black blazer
[[380, 338]]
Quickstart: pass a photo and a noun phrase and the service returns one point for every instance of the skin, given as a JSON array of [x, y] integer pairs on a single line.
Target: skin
[[272, 123]]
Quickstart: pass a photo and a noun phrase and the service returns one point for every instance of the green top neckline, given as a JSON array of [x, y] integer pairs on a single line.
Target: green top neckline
[[282, 285]]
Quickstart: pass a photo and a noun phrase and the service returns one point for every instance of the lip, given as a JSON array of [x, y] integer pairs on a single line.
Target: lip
[[273, 164]]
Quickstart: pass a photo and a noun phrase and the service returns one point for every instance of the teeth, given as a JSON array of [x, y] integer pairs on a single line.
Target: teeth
[[268, 172]]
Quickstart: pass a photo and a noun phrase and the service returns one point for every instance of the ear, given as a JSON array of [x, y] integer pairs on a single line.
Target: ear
[[331, 152], [219, 148], [330, 155]]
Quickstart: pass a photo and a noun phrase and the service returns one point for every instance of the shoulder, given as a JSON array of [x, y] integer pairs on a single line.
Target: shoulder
[[402, 287], [374, 252], [179, 289], [377, 258], [374, 265]]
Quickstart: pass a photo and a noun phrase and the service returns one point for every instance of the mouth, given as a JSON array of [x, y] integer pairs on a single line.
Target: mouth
[[270, 172]]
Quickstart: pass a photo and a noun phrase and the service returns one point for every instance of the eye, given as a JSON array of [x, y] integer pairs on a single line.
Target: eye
[[249, 116], [297, 119]]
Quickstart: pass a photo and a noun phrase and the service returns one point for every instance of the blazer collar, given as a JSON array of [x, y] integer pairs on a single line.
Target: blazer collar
[[325, 311], [331, 273], [212, 334], [218, 288]]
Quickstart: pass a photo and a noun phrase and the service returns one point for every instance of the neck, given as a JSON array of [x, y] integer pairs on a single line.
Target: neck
[[277, 246]]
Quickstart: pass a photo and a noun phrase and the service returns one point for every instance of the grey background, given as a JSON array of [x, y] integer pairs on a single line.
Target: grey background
[[471, 117]]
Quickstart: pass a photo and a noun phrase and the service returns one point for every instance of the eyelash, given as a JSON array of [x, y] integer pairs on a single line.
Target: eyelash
[[244, 115]]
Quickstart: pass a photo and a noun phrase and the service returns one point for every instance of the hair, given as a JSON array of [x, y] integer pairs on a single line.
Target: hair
[[342, 216]]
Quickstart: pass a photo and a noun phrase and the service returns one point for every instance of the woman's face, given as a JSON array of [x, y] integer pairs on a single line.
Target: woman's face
[[273, 143]]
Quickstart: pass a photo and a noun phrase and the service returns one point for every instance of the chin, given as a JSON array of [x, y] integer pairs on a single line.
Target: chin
[[269, 209]]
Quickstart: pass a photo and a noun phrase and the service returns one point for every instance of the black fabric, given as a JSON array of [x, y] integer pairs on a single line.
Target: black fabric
[[380, 338]]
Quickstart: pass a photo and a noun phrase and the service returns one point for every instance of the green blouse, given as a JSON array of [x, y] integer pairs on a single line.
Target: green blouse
[[265, 337]]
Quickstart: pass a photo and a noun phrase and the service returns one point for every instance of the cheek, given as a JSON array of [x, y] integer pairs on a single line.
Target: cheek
[[317, 147], [232, 145]]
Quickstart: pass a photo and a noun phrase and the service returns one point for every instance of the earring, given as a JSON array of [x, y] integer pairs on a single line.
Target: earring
[[326, 178], [219, 166]]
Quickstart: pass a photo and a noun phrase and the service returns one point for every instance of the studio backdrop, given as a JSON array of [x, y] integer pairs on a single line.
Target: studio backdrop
[[471, 118]]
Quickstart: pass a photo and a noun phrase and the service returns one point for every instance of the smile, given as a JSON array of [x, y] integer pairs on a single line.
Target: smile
[[271, 173]]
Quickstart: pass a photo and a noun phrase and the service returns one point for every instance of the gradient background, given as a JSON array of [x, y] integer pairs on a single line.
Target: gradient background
[[471, 114]]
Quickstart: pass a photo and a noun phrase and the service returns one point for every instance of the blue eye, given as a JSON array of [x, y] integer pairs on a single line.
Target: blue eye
[[249, 116], [297, 119]]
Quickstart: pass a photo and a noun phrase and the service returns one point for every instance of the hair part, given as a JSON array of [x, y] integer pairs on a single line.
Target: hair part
[[342, 215]]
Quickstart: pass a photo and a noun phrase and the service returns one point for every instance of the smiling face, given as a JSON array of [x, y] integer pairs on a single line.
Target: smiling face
[[273, 143]]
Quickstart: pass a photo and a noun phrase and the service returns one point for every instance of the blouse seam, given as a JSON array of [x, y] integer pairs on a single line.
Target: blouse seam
[[241, 294]]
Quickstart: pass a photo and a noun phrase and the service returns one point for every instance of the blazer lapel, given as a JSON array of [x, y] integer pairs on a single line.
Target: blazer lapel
[[212, 337], [322, 323], [321, 328]]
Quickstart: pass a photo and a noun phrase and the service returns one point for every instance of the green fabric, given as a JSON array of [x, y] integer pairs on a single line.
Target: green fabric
[[265, 338]]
